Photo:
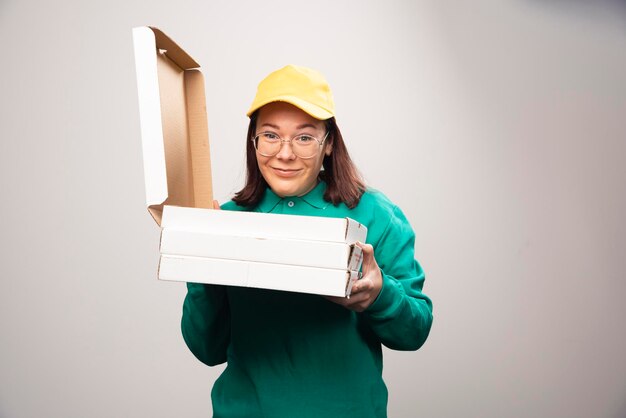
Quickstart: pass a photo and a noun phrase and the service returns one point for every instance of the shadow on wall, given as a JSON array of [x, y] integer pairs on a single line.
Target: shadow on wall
[[586, 6], [621, 412]]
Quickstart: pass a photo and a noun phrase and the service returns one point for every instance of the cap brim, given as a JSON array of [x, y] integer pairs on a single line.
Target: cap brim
[[313, 110]]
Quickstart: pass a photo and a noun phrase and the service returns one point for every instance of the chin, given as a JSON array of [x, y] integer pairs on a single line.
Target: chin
[[283, 191], [284, 188]]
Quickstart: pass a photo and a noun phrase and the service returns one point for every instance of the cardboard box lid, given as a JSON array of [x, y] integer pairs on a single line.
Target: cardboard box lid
[[174, 129]]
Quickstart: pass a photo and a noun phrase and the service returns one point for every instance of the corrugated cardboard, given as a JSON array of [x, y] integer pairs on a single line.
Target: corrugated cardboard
[[174, 131], [314, 280]]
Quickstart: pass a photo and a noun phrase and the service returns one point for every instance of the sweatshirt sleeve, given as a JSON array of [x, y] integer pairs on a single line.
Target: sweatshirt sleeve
[[401, 315], [206, 322]]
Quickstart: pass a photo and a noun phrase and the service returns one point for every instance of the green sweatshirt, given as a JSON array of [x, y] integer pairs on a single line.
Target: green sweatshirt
[[300, 355]]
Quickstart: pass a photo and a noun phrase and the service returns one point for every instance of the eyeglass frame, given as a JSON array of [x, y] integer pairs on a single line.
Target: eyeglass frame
[[321, 143]]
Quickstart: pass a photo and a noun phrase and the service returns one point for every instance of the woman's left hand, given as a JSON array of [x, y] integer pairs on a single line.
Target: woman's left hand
[[366, 290]]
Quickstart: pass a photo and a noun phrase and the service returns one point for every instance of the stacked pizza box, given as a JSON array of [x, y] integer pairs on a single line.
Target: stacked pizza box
[[199, 244]]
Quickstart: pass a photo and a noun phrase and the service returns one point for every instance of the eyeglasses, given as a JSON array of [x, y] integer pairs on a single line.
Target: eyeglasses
[[268, 144]]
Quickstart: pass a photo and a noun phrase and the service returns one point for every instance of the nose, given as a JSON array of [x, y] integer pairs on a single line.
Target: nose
[[285, 153]]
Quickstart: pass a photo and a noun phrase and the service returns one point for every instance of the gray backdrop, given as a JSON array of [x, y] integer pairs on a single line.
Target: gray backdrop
[[498, 126]]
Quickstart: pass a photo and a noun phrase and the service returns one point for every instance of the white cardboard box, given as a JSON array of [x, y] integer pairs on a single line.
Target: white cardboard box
[[264, 225], [177, 170], [331, 282], [331, 255], [263, 237], [260, 250]]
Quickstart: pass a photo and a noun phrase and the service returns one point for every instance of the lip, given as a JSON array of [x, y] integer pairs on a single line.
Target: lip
[[285, 172]]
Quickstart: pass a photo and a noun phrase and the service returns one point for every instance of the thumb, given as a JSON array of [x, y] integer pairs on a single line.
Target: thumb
[[216, 205]]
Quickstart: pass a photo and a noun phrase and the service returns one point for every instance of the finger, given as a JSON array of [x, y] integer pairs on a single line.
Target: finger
[[216, 204], [335, 299], [351, 299], [339, 300], [368, 253], [363, 285], [358, 302]]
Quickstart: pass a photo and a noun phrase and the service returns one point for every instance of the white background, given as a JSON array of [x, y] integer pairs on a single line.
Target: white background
[[498, 126]]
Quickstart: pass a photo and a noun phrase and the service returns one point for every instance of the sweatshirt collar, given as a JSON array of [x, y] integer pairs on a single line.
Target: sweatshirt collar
[[314, 198]]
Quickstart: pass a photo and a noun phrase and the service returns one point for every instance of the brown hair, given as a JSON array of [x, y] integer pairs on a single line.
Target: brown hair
[[343, 180]]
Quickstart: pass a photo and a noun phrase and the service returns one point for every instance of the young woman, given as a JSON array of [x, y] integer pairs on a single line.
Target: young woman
[[302, 355]]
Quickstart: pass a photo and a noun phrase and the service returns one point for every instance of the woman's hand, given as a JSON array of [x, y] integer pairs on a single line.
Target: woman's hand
[[216, 205], [366, 290]]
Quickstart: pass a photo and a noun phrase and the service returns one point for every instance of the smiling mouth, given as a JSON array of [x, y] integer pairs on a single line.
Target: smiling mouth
[[285, 172]]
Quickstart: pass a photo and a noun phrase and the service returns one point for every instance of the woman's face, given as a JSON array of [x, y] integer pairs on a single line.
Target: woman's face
[[286, 173]]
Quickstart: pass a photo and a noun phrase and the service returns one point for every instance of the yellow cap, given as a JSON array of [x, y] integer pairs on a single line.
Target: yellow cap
[[300, 86]]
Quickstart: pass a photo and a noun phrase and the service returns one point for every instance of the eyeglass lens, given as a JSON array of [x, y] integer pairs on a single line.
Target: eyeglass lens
[[269, 144]]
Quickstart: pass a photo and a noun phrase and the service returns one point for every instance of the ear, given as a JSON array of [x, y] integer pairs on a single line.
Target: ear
[[328, 148]]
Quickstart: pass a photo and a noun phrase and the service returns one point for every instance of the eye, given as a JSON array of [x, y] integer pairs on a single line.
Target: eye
[[269, 136], [305, 139]]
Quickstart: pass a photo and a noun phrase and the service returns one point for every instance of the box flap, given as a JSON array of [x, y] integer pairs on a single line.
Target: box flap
[[174, 129], [175, 52]]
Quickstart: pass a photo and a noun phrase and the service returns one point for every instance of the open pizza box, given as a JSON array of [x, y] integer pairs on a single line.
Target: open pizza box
[[202, 245]]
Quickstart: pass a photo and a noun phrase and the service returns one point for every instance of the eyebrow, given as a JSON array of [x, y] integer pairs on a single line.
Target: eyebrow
[[304, 125]]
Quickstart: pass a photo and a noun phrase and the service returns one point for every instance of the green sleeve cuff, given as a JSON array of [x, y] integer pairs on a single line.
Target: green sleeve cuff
[[385, 303]]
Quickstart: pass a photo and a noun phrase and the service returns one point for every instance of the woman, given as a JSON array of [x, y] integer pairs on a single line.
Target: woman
[[303, 355]]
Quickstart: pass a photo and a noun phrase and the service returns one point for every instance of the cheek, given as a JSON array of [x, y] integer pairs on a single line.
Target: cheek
[[261, 161], [316, 164], [262, 164]]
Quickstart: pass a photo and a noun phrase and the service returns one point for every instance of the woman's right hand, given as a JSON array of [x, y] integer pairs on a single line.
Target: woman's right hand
[[216, 205]]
